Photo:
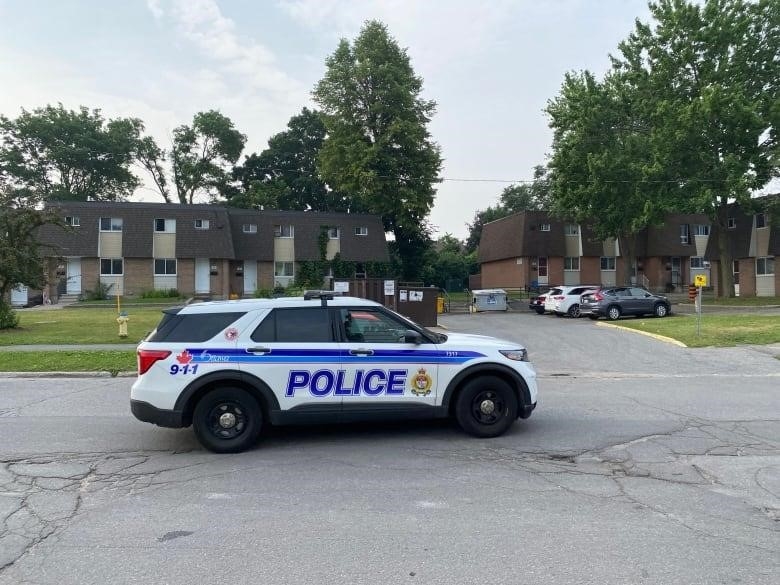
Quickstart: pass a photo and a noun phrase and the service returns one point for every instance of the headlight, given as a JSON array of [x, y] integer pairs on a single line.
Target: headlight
[[518, 355]]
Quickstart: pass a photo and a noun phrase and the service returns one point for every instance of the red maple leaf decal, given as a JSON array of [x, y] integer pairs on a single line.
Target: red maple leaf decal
[[184, 357]]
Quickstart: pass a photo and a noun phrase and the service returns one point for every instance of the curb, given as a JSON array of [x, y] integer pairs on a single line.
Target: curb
[[67, 375], [645, 333]]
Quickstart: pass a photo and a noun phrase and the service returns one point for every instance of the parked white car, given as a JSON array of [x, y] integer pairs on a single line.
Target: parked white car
[[565, 300]]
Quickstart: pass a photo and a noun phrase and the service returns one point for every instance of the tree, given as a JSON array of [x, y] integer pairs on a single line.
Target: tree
[[448, 263], [21, 214], [69, 154], [600, 160], [200, 157], [378, 150], [285, 175], [710, 75]]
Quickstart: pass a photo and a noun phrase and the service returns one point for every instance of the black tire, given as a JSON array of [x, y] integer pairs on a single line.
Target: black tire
[[660, 310], [486, 407], [557, 314], [539, 311], [593, 317], [214, 434], [574, 311], [613, 313]]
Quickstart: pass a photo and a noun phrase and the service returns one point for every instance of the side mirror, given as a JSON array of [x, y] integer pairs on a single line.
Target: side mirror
[[412, 336]]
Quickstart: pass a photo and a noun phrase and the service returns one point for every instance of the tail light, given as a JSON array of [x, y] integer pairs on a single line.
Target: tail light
[[598, 297], [559, 298], [148, 357]]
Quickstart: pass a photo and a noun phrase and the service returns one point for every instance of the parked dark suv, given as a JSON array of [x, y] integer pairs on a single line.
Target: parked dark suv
[[616, 301]]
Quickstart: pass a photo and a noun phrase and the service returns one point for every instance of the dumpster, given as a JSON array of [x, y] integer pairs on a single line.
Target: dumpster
[[489, 300]]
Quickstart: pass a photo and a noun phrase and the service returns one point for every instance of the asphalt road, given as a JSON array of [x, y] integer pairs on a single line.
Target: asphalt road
[[644, 463]]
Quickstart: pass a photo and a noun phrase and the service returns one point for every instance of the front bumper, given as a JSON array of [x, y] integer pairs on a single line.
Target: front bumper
[[145, 412]]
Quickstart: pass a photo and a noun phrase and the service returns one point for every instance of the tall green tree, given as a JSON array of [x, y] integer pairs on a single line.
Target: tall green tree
[[63, 154], [285, 175], [201, 157], [378, 149], [448, 264], [21, 262], [601, 160], [708, 74]]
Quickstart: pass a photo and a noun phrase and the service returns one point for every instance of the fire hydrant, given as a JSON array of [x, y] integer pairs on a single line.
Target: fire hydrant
[[122, 320]]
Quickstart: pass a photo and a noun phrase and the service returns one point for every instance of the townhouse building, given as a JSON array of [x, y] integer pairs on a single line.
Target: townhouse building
[[197, 249], [533, 249]]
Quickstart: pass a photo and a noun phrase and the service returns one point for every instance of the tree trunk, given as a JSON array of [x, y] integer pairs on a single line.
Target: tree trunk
[[628, 252], [726, 264]]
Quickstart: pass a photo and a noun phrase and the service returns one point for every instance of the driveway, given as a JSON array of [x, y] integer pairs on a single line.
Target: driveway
[[644, 463]]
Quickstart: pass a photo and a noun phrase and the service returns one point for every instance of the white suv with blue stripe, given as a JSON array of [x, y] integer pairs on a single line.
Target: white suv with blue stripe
[[229, 368]]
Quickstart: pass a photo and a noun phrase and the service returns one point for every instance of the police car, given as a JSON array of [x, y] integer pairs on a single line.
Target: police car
[[228, 368]]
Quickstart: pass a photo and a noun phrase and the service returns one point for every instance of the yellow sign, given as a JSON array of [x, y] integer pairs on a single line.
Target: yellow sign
[[700, 280]]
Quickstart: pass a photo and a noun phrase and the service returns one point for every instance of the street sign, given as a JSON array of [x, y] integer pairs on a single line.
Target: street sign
[[700, 280]]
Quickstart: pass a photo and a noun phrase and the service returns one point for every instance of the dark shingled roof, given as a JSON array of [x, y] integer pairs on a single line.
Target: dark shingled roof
[[664, 239], [738, 239], [225, 237], [519, 235]]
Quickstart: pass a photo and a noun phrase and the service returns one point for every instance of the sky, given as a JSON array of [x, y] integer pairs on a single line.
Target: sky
[[491, 66]]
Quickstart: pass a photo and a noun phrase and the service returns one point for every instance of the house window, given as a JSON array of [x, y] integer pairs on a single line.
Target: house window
[[110, 224], [284, 268], [334, 233], [731, 223], [544, 227], [360, 270], [72, 221], [608, 263], [697, 262], [283, 231], [111, 267], [165, 266], [165, 225], [760, 220], [249, 228], [201, 224], [571, 263], [361, 231], [765, 266], [542, 265], [571, 229], [701, 230], [685, 234]]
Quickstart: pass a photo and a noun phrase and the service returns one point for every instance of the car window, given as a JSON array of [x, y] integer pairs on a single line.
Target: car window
[[370, 326], [295, 325], [176, 327], [639, 292], [622, 292], [555, 291]]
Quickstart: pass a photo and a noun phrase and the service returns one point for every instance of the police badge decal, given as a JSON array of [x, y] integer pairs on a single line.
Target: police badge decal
[[421, 383]]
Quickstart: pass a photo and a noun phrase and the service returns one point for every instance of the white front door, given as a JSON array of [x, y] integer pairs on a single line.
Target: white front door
[[202, 276], [19, 296], [74, 276], [250, 277]]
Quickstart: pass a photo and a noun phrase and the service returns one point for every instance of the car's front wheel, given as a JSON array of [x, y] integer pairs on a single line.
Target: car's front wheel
[[613, 313], [539, 311], [227, 420], [660, 310], [486, 407], [574, 311]]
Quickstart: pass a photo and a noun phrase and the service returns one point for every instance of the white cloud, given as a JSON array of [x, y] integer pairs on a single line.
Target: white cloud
[[155, 8]]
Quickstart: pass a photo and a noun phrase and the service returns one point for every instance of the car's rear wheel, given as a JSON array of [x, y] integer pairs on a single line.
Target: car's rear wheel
[[574, 311], [539, 311], [486, 407], [613, 313], [660, 310], [227, 420], [557, 314]]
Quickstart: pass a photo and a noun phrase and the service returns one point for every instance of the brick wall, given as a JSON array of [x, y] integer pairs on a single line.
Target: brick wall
[[90, 271], [138, 276], [504, 273], [555, 270], [747, 277], [590, 270], [265, 275], [185, 276]]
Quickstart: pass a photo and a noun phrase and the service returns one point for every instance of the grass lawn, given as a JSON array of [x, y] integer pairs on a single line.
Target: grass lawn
[[69, 326], [716, 330], [709, 299], [67, 361]]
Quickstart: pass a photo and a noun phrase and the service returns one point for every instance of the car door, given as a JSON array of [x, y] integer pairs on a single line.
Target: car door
[[383, 371], [643, 300], [294, 351]]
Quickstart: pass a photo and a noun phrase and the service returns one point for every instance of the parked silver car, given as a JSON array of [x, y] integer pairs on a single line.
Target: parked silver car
[[614, 302]]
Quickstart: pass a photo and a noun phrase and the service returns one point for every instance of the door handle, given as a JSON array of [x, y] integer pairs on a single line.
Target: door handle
[[361, 351], [260, 350]]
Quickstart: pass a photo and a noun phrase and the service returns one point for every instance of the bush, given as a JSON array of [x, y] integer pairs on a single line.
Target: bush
[[171, 293], [264, 293], [8, 317], [100, 292]]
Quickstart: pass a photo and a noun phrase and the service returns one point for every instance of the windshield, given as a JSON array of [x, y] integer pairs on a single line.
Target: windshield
[[432, 335]]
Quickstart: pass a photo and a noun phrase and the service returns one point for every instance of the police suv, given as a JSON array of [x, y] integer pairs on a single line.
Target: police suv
[[228, 368]]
